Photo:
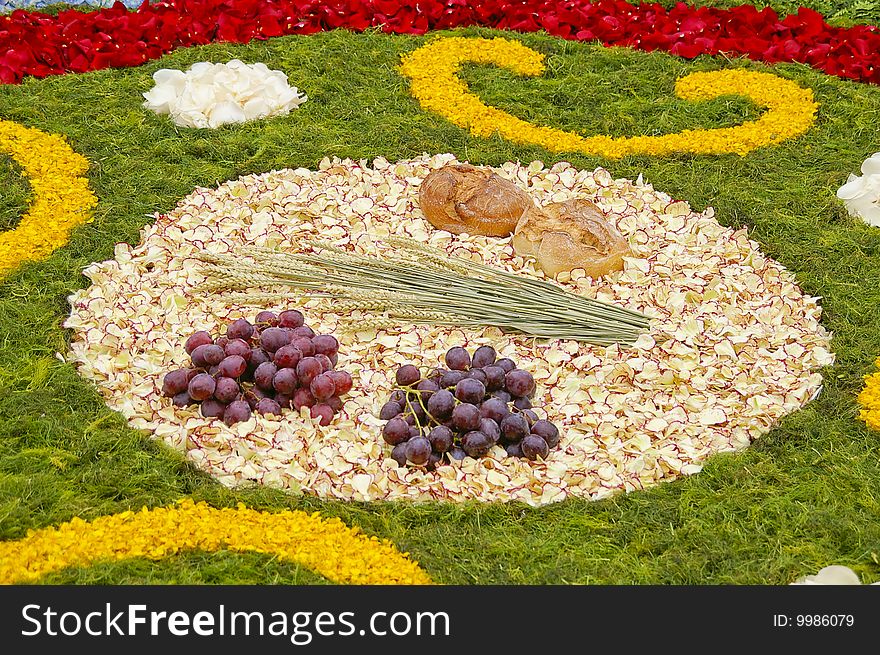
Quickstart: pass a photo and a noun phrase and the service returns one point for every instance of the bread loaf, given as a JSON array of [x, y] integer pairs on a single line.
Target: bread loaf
[[463, 198], [567, 235]]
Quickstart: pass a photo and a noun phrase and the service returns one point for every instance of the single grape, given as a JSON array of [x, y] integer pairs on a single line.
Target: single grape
[[434, 461], [478, 374], [441, 404], [268, 406], [307, 370], [305, 345], [191, 373], [322, 412], [456, 453], [182, 399], [335, 403], [285, 381], [409, 418], [237, 412], [343, 382], [506, 364], [302, 331], [395, 431], [200, 338], [476, 444], [211, 408], [458, 359], [547, 431], [222, 342], [398, 453], [494, 377], [291, 319], [501, 395], [267, 319], [232, 367], [483, 356], [240, 329], [522, 403], [265, 374], [426, 389], [490, 429], [414, 407], [302, 397], [441, 438], [470, 391], [390, 410], [325, 344], [207, 355], [451, 378], [201, 387], [226, 390], [334, 360], [494, 409], [531, 417], [519, 383], [175, 382], [514, 427], [285, 401], [239, 347], [534, 447], [414, 431], [418, 450], [287, 356], [407, 375], [466, 417], [398, 396], [273, 338], [214, 372], [513, 449], [326, 364], [258, 356], [322, 387]]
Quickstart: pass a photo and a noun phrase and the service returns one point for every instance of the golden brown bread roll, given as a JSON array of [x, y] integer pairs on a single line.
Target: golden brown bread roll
[[567, 235], [463, 198]]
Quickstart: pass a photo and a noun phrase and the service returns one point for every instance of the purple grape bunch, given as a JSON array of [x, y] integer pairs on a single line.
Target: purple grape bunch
[[463, 410], [275, 364]]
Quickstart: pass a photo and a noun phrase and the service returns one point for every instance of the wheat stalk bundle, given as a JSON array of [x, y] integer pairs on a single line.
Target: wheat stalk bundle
[[416, 283]]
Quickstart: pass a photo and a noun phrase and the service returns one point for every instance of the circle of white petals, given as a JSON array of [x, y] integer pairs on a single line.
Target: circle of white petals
[[734, 345], [210, 95]]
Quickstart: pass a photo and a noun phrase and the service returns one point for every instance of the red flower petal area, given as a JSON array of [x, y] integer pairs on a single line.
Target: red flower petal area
[[38, 44]]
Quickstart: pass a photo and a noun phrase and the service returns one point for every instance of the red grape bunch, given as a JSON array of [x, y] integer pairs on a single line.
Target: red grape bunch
[[275, 364], [464, 410]]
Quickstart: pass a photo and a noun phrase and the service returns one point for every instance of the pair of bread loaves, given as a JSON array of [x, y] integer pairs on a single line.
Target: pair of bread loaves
[[561, 236]]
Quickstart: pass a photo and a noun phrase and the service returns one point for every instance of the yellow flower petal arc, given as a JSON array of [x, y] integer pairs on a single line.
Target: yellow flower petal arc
[[326, 546], [62, 198], [869, 399], [433, 71]]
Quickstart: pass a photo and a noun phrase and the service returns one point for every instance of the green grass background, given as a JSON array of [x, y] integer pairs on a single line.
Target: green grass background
[[802, 497]]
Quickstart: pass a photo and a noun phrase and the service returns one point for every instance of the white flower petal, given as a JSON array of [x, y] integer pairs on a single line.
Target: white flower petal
[[225, 112], [871, 165], [854, 187]]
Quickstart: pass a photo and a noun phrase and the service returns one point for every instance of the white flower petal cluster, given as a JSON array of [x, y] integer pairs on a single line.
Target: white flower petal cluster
[[210, 95], [861, 194], [832, 575]]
